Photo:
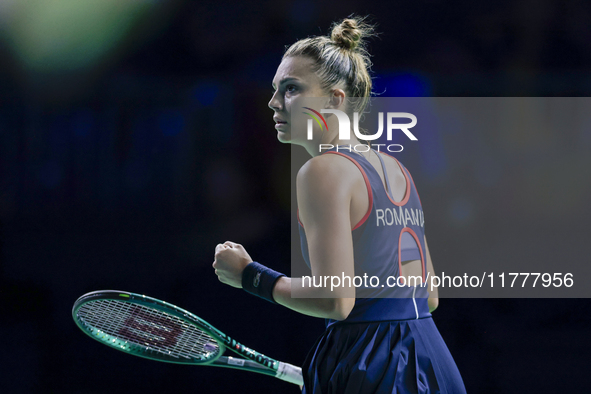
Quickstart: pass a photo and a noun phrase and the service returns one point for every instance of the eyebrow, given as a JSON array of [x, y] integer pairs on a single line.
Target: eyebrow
[[286, 80]]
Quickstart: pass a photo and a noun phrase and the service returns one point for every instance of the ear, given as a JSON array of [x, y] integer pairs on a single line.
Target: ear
[[337, 99]]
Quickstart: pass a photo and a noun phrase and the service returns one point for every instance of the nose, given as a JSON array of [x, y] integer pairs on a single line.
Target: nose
[[275, 102]]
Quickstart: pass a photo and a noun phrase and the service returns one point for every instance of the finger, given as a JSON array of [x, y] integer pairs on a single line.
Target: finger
[[230, 244], [220, 247]]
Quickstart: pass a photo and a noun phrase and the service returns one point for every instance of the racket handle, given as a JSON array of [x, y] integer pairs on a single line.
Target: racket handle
[[290, 373]]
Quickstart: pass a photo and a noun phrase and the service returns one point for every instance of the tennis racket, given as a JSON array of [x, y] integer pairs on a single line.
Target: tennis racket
[[154, 329]]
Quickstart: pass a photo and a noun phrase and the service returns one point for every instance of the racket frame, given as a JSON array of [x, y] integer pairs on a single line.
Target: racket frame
[[254, 361]]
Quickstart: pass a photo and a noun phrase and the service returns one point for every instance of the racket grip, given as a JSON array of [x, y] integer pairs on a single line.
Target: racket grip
[[290, 373]]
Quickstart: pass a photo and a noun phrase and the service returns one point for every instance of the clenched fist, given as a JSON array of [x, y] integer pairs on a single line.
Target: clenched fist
[[230, 259]]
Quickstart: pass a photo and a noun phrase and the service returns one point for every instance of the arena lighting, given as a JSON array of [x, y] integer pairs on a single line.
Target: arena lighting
[[67, 35]]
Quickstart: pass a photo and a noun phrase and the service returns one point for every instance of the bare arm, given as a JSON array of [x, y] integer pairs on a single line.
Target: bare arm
[[324, 187], [324, 198]]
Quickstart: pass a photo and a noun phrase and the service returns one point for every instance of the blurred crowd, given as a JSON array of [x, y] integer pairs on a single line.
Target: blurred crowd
[[135, 135]]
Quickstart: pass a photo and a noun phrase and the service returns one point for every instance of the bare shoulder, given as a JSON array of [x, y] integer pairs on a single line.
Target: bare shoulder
[[327, 168], [331, 186]]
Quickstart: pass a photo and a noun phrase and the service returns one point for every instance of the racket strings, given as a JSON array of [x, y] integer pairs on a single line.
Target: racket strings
[[134, 326], [147, 327]]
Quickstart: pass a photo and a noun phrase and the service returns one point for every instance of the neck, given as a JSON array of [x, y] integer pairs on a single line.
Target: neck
[[328, 143]]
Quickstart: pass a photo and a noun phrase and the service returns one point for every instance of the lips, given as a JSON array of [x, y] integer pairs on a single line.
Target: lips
[[279, 120]]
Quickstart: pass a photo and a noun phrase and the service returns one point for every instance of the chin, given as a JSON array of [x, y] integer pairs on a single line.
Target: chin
[[284, 137]]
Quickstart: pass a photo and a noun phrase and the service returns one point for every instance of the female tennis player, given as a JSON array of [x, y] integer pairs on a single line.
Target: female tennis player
[[377, 339]]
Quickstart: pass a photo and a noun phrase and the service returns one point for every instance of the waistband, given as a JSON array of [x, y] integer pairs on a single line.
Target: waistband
[[385, 309]]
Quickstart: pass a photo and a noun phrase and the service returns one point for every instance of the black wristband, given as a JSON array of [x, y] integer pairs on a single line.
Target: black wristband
[[260, 280]]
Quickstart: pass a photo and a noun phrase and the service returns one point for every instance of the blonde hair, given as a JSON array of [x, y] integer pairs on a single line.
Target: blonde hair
[[341, 58]]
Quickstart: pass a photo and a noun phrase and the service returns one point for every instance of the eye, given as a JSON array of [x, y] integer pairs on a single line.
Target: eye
[[290, 88]]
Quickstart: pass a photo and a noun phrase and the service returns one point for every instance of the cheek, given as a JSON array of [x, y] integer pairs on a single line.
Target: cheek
[[293, 104], [288, 103]]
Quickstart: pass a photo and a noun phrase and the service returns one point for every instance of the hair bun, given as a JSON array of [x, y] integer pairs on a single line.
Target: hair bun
[[349, 33]]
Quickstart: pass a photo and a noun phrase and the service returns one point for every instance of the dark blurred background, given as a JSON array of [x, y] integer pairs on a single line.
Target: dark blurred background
[[135, 136]]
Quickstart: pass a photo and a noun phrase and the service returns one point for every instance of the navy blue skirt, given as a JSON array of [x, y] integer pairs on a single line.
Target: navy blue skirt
[[400, 356]]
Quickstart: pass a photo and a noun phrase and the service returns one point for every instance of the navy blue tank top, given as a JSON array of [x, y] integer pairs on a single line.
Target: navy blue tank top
[[390, 232]]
